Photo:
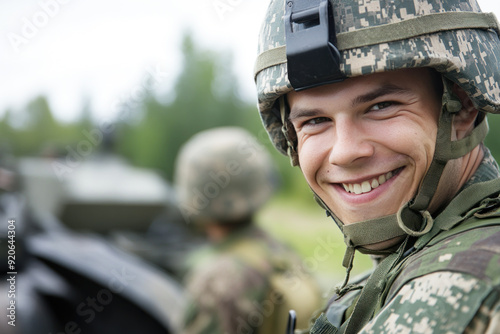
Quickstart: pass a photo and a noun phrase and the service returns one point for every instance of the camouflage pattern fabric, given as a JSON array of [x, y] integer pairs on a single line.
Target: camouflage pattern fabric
[[247, 284], [451, 286]]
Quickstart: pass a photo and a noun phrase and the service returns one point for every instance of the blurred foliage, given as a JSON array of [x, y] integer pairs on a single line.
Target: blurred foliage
[[205, 96], [33, 130], [492, 140], [150, 127]]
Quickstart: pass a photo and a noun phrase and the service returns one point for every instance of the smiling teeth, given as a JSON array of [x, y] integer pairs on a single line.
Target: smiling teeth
[[366, 186]]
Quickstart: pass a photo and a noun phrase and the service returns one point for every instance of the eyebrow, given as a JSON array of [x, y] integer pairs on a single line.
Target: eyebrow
[[299, 113], [386, 89]]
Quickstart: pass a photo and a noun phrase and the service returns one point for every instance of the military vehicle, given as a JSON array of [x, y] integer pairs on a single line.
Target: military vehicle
[[69, 274]]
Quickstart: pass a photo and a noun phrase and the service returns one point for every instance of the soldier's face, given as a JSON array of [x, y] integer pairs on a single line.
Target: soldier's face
[[365, 144]]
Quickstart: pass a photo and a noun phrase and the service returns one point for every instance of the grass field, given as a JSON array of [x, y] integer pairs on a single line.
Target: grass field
[[315, 237]]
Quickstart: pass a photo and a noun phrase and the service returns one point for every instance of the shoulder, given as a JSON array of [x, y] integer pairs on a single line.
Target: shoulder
[[450, 284], [448, 302], [225, 277], [221, 293], [472, 251]]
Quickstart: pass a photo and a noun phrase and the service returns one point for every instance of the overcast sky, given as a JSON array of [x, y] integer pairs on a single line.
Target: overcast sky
[[72, 49]]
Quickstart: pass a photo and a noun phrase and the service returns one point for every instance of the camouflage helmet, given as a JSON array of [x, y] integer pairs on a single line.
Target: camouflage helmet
[[223, 175], [307, 43], [451, 36]]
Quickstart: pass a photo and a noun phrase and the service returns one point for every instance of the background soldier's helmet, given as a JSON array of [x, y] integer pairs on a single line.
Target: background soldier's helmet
[[450, 36], [223, 175]]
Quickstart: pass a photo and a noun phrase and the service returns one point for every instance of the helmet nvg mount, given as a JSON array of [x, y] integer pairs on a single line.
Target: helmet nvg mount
[[223, 175], [307, 43]]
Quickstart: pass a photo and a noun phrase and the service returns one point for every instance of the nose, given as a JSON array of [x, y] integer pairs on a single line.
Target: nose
[[350, 143]]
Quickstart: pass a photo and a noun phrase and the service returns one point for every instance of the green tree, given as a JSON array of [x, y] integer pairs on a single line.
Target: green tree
[[205, 96], [493, 138]]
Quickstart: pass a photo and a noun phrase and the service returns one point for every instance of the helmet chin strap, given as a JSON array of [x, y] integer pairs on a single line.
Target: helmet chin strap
[[413, 218]]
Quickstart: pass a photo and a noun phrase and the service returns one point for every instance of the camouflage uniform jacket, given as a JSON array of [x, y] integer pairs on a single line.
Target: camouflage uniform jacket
[[247, 284], [450, 285]]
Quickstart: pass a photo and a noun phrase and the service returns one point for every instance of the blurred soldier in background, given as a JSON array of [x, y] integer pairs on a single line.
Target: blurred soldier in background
[[246, 282]]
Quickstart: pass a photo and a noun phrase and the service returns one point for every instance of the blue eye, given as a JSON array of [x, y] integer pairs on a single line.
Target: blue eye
[[381, 105], [317, 120]]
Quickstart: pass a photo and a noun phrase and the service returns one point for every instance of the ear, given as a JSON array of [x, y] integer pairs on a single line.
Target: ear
[[463, 121]]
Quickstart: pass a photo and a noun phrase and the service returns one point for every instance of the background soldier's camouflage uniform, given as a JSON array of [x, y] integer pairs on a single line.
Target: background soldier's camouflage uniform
[[249, 282]]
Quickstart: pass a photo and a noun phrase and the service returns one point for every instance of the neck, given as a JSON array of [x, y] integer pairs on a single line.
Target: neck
[[217, 232], [471, 164], [462, 169]]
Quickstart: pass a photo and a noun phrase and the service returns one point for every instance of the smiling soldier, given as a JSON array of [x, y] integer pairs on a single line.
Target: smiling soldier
[[382, 105]]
